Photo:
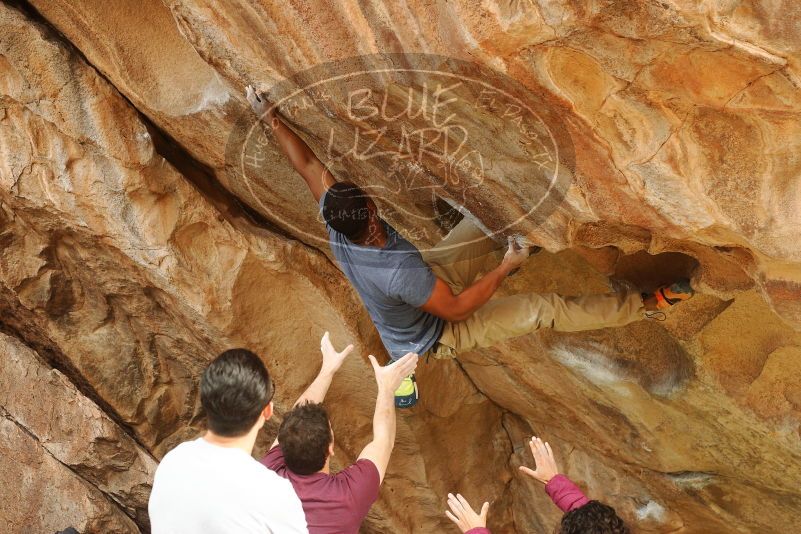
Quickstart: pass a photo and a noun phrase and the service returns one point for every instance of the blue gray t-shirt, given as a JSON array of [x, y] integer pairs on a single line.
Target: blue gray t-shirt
[[393, 283]]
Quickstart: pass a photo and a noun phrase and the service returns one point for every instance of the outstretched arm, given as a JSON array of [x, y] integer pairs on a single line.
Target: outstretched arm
[[445, 305], [468, 521], [389, 378], [309, 166], [332, 361], [562, 491]]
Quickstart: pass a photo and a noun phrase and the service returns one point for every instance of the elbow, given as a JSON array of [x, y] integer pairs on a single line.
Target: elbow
[[455, 317], [453, 308], [452, 314], [458, 312]]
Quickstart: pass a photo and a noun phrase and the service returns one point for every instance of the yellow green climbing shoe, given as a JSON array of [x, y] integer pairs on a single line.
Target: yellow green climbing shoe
[[406, 395]]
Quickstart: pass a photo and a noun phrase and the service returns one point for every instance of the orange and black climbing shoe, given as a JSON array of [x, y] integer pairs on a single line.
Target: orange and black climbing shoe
[[667, 296]]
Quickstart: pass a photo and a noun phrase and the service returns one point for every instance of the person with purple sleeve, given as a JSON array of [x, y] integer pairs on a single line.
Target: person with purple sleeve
[[582, 516], [336, 503]]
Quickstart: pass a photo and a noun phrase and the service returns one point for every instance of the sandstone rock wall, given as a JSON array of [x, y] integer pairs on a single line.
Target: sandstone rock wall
[[132, 250], [87, 465]]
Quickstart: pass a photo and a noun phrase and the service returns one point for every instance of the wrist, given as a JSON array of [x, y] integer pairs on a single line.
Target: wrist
[[327, 372], [547, 480], [386, 391], [505, 268]]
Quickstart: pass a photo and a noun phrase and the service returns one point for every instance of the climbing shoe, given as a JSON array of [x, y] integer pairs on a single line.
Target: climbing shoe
[[667, 296], [406, 395]]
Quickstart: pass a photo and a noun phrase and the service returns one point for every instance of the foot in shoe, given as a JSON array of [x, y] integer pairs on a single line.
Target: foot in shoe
[[667, 296], [406, 395]]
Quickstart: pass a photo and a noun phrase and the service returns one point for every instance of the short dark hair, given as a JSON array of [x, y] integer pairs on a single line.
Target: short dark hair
[[305, 435], [593, 518], [234, 390], [345, 209]]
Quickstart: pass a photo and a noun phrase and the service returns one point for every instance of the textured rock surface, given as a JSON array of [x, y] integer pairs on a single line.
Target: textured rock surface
[[132, 250], [43, 496], [85, 448]]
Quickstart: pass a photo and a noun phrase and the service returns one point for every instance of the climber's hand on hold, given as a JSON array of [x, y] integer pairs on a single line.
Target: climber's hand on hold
[[260, 105], [463, 515], [544, 461], [514, 257], [257, 103], [301, 156]]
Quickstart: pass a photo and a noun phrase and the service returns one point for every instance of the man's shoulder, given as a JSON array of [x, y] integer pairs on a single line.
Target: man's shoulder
[[261, 472], [365, 465], [268, 477], [274, 461], [357, 486], [184, 447], [179, 453], [258, 477], [361, 472]]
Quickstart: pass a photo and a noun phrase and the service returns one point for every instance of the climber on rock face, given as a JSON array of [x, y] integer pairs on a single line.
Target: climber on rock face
[[581, 514], [336, 504], [433, 303]]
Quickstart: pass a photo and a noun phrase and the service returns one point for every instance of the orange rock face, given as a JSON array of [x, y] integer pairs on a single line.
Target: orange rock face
[[147, 223]]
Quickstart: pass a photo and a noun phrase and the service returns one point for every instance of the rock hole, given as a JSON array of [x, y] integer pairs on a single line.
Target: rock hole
[[445, 215], [649, 271]]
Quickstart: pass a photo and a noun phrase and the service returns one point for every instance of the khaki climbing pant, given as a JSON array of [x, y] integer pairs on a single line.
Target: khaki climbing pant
[[460, 257]]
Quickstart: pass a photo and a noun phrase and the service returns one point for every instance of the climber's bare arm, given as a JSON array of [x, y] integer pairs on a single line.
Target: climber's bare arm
[[317, 176], [445, 305], [303, 159]]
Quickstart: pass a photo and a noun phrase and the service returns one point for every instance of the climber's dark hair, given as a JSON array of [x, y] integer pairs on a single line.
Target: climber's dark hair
[[305, 435], [345, 210], [234, 390], [592, 518]]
